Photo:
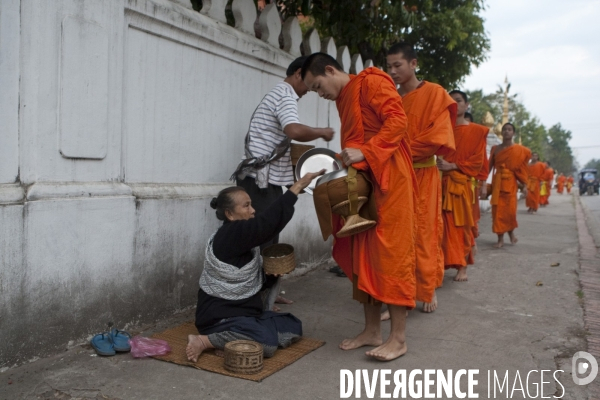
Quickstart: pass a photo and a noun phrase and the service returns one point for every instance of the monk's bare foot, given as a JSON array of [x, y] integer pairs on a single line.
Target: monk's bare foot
[[461, 275], [513, 238], [385, 316], [195, 347], [430, 307], [363, 339], [500, 241], [388, 351], [283, 300], [474, 249]]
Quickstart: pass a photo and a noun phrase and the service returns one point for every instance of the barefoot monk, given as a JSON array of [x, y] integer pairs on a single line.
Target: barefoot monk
[[537, 169], [380, 261], [431, 116], [510, 162], [459, 171]]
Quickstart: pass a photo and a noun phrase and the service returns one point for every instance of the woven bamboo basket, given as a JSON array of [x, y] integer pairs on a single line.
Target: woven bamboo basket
[[296, 150], [243, 357], [278, 259]]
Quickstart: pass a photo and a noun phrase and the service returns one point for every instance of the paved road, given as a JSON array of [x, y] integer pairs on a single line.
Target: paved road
[[591, 205], [501, 320]]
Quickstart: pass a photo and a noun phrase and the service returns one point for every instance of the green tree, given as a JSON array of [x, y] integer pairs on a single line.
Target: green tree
[[560, 153], [448, 34], [593, 163]]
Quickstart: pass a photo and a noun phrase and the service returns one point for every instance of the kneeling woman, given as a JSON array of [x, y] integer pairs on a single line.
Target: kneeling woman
[[232, 300]]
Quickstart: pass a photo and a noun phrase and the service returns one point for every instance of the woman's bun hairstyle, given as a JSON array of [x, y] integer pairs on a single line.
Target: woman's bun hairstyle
[[225, 201]]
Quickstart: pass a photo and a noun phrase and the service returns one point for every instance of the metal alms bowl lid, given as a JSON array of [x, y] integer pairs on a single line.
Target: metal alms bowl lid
[[341, 173], [315, 160]]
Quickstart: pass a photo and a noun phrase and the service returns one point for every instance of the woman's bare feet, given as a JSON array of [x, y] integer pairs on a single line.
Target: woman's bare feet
[[430, 307], [196, 345], [461, 275], [283, 300], [363, 339], [388, 351]]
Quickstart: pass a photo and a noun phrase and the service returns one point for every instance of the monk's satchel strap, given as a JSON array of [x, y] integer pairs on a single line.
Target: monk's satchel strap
[[260, 164], [430, 162]]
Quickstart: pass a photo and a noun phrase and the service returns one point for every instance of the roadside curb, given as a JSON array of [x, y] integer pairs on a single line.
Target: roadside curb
[[589, 279]]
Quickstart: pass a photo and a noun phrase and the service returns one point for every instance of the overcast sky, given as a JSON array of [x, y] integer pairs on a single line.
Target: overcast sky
[[550, 51]]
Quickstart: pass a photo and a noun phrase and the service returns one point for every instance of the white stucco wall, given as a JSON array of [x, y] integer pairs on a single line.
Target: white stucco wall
[[120, 120]]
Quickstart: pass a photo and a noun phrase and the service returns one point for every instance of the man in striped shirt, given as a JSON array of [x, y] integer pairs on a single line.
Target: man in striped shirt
[[273, 125]]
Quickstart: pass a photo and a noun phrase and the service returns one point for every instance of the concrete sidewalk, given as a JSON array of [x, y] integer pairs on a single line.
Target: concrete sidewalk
[[516, 313]]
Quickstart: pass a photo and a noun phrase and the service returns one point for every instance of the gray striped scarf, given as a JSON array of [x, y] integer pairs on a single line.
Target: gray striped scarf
[[227, 281]]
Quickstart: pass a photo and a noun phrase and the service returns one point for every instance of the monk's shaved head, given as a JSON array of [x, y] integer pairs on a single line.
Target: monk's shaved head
[[316, 64], [405, 49], [461, 93]]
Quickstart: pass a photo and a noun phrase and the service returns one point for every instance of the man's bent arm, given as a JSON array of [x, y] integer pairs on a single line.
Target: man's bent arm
[[303, 133]]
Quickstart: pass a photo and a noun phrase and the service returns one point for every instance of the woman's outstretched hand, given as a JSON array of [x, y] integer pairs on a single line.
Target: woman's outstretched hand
[[303, 182]]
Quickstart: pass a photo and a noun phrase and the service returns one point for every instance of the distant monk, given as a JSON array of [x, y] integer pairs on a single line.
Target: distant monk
[[459, 169], [431, 116], [546, 188], [560, 183], [510, 162], [479, 189], [380, 261], [570, 181], [537, 169]]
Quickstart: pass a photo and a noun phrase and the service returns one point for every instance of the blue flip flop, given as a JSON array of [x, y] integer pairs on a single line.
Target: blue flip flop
[[120, 340], [102, 344]]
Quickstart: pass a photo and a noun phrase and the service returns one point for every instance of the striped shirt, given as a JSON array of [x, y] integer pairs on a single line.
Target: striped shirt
[[278, 109]]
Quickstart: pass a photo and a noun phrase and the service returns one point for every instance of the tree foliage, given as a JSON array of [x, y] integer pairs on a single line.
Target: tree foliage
[[551, 144], [448, 34]]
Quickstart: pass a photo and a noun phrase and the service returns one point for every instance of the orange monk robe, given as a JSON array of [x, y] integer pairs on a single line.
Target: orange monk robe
[[560, 184], [382, 258], [457, 193], [570, 181], [511, 166], [480, 177], [547, 183], [431, 116], [545, 186], [536, 175]]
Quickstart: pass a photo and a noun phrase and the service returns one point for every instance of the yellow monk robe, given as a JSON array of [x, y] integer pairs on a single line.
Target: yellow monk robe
[[382, 258], [481, 176], [546, 186], [431, 117], [511, 165], [560, 184], [457, 193], [536, 176], [570, 181]]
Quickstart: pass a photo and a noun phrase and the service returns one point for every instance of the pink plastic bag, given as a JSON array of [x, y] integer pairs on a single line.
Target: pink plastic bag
[[146, 347]]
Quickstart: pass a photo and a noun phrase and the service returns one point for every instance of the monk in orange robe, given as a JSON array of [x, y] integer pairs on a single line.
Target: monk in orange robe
[[546, 187], [570, 181], [537, 169], [459, 170], [380, 261], [480, 132], [479, 190], [560, 183], [511, 166], [431, 116]]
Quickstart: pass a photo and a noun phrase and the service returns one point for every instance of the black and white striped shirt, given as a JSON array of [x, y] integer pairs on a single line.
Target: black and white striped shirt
[[278, 109]]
